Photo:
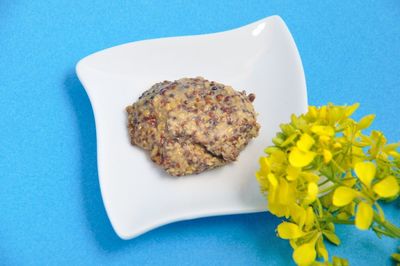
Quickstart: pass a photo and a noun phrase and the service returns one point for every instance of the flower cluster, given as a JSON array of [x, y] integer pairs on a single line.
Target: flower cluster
[[323, 170]]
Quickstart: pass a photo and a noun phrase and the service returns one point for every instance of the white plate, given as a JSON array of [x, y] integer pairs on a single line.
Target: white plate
[[260, 57]]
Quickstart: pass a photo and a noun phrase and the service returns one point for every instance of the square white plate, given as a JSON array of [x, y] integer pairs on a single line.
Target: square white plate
[[138, 196]]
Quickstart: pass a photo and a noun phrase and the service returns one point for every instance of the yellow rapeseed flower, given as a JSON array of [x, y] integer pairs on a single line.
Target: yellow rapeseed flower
[[305, 142], [366, 121], [365, 172], [299, 158], [323, 130], [292, 173], [327, 156], [343, 196], [312, 192], [323, 169], [364, 216], [305, 254], [386, 188], [289, 231]]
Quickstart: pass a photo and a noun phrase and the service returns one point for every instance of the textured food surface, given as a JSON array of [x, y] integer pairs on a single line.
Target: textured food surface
[[192, 124]]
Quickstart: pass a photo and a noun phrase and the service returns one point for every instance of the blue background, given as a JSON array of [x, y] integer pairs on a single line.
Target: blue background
[[51, 208]]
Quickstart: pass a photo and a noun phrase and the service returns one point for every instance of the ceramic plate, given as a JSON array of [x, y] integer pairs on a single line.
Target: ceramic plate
[[138, 196]]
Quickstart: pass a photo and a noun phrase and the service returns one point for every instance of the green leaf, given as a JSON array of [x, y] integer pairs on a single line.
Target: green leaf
[[332, 237]]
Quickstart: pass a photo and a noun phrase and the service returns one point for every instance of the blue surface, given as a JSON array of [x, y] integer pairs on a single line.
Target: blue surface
[[51, 208]]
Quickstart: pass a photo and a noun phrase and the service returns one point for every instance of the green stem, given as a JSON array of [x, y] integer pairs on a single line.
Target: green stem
[[338, 221], [393, 229]]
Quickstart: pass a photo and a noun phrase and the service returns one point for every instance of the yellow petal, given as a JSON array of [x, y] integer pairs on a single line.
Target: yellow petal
[[312, 111], [310, 218], [351, 109], [324, 140], [264, 165], [365, 172], [277, 157], [327, 156], [366, 121], [323, 130], [292, 173], [298, 214], [343, 196], [305, 254], [312, 192], [272, 180], [288, 230], [364, 216], [322, 112], [310, 177], [391, 147], [337, 145], [283, 192], [394, 154], [298, 158], [386, 188], [277, 209], [305, 142]]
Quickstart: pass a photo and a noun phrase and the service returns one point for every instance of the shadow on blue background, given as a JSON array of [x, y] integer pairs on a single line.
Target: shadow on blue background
[[97, 218]]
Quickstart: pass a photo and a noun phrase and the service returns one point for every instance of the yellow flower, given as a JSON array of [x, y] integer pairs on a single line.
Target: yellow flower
[[283, 192], [365, 172], [305, 142], [310, 218], [272, 180], [288, 230], [327, 147], [281, 196], [312, 111], [277, 161], [264, 166], [322, 113], [337, 145], [343, 196], [366, 121], [298, 158], [305, 254], [386, 188], [312, 192], [323, 130], [309, 176], [324, 140], [364, 216], [327, 156], [292, 173], [351, 109], [298, 214]]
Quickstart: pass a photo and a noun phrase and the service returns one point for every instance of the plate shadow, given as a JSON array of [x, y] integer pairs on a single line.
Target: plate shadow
[[96, 217]]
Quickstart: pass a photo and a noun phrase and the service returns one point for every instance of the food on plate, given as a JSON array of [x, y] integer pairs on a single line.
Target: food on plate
[[192, 124]]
